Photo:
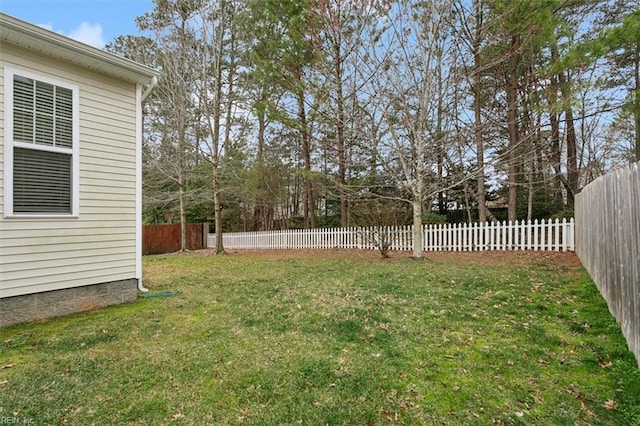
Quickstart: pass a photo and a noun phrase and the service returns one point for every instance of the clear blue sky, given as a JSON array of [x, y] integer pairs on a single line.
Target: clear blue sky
[[94, 22]]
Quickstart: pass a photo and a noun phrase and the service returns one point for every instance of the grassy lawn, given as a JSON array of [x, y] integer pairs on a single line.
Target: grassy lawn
[[332, 338]]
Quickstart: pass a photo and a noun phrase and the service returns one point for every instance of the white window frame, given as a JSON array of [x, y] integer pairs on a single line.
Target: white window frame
[[9, 144]]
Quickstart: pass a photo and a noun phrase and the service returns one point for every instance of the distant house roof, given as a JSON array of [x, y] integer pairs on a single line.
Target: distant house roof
[[37, 39]]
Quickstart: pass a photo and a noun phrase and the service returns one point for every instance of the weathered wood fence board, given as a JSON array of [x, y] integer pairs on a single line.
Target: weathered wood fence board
[[158, 239], [520, 235], [608, 245]]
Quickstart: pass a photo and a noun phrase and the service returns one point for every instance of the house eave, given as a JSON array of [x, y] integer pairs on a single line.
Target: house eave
[[34, 38]]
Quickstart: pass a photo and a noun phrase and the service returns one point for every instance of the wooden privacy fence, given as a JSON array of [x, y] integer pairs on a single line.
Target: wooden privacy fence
[[158, 239], [608, 245], [520, 235]]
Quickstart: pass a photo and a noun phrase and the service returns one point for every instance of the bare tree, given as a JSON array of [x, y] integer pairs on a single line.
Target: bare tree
[[216, 92], [412, 55], [172, 112], [341, 32]]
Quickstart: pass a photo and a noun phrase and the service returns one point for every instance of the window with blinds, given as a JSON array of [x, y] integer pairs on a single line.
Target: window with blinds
[[42, 147]]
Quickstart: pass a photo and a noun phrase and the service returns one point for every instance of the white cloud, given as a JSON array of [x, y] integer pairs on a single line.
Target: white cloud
[[47, 26], [90, 34]]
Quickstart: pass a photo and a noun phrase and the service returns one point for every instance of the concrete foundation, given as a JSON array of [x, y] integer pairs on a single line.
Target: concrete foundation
[[49, 304]]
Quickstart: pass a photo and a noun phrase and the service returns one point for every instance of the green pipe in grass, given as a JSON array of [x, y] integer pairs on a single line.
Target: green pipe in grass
[[159, 294]]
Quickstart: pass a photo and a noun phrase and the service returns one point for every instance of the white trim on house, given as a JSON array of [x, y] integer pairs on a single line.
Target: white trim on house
[[9, 143]]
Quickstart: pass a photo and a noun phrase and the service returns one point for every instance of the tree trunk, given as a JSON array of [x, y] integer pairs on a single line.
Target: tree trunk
[[215, 170], [342, 162], [260, 200], [467, 204], [217, 204], [477, 111], [215, 151], [442, 205], [309, 206], [555, 154], [229, 104], [417, 226], [475, 195], [218, 221], [182, 152], [183, 212], [530, 189], [261, 113], [572, 163], [481, 199], [570, 130], [442, 202], [512, 118]]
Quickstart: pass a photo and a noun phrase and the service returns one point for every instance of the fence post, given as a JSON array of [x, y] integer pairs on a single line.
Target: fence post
[[487, 235], [427, 237], [511, 227], [572, 233], [454, 237]]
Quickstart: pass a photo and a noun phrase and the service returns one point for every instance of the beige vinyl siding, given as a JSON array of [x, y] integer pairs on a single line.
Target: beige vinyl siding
[[37, 252], [43, 254]]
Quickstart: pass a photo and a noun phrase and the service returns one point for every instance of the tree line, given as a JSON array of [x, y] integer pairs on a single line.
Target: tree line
[[274, 114]]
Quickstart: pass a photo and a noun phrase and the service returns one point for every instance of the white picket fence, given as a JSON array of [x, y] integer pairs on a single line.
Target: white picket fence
[[520, 235]]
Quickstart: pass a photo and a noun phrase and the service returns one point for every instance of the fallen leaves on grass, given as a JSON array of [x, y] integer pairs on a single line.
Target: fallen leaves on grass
[[610, 405], [584, 407], [243, 415], [388, 417], [536, 286], [178, 415]]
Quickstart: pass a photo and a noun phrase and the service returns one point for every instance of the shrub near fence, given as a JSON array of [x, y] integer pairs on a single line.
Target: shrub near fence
[[520, 235], [608, 245], [158, 239]]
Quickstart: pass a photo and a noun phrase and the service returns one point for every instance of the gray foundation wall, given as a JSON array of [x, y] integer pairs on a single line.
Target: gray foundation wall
[[39, 306]]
